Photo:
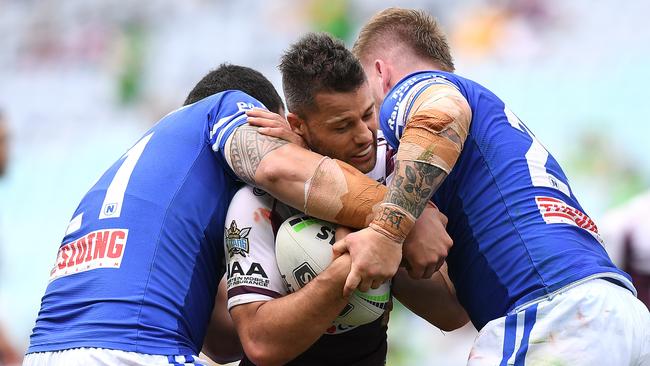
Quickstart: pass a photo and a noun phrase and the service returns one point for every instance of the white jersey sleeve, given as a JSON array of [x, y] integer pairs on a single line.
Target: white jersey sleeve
[[249, 241]]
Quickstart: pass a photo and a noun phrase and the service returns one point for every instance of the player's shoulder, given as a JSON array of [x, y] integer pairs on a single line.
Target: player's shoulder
[[252, 197], [231, 102], [223, 104]]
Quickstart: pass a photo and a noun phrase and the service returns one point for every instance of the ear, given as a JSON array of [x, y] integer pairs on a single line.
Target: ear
[[297, 124], [384, 73]]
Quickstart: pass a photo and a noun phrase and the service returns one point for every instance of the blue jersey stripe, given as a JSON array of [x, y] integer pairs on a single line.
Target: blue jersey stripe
[[509, 336], [530, 317]]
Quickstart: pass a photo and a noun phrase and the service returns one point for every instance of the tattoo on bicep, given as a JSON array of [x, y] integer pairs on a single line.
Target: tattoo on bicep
[[247, 149], [414, 184]]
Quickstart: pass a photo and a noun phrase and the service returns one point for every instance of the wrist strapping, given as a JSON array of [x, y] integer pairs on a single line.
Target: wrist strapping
[[393, 221]]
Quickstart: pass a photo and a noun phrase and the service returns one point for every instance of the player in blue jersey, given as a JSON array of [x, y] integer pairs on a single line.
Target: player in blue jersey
[[527, 262], [135, 277], [332, 109]]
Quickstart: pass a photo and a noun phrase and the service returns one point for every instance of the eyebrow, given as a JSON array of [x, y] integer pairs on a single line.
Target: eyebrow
[[370, 108], [338, 119]]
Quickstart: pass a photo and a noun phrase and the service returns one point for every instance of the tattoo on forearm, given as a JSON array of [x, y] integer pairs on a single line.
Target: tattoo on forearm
[[391, 217], [248, 148], [414, 184]]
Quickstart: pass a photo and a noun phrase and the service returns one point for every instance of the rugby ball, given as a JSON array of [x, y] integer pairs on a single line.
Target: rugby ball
[[303, 249]]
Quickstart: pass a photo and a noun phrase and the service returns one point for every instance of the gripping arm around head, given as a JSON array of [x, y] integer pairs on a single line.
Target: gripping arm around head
[[322, 187]]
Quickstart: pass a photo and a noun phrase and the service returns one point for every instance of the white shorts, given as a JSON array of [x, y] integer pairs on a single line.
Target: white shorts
[[106, 357], [593, 323]]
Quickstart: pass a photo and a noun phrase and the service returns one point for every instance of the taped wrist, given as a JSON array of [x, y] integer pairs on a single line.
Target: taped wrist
[[393, 221], [337, 192]]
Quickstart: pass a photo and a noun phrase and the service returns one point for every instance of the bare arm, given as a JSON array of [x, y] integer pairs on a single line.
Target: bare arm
[[434, 299], [221, 342], [328, 189], [276, 331]]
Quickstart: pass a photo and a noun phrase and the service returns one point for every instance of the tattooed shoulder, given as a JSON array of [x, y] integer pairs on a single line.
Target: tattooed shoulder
[[247, 149]]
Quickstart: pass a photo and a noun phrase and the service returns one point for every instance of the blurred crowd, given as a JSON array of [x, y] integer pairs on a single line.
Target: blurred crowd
[[81, 80]]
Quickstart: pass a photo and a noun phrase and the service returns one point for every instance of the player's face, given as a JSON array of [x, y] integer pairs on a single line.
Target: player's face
[[344, 127]]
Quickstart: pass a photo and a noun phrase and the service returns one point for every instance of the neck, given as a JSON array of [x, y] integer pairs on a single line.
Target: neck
[[403, 66]]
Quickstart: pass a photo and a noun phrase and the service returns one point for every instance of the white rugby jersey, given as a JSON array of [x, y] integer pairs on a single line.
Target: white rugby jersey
[[249, 239]]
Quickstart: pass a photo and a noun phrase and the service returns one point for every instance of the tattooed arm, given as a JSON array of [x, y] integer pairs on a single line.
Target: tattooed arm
[[433, 137], [328, 189]]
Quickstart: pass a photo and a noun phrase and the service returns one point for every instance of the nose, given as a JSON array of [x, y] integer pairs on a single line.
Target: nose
[[362, 133]]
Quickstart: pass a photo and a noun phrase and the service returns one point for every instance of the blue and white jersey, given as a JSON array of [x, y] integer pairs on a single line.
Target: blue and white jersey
[[140, 262], [519, 232]]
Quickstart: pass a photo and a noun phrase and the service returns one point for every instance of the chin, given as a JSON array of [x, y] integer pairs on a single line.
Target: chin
[[368, 167]]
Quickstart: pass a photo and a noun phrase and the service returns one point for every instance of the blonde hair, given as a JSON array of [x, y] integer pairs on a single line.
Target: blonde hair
[[413, 28]]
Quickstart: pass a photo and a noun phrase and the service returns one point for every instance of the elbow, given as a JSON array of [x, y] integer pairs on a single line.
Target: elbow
[[264, 355], [277, 167], [268, 173], [453, 323], [273, 168]]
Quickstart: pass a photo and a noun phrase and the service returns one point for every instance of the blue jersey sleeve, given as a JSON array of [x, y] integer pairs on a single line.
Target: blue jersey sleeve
[[226, 116], [396, 108]]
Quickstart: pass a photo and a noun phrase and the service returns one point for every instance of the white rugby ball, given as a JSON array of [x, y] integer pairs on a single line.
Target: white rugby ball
[[303, 249]]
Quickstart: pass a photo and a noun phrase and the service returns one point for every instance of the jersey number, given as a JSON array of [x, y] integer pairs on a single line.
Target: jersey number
[[112, 205], [536, 157]]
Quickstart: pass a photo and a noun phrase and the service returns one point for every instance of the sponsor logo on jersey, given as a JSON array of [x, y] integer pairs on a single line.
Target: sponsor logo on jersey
[[246, 275], [110, 209], [244, 106], [556, 211], [98, 249], [237, 240], [303, 274]]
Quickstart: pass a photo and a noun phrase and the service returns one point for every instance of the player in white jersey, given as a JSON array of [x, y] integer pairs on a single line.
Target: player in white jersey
[[335, 115], [136, 273]]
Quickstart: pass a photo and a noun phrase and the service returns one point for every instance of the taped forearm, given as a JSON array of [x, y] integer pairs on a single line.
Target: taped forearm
[[327, 189], [429, 147], [339, 193]]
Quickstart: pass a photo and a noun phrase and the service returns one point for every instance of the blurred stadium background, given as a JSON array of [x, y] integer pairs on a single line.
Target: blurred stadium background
[[81, 80]]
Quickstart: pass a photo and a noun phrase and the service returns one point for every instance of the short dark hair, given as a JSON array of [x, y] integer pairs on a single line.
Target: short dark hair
[[317, 62], [413, 28], [235, 77]]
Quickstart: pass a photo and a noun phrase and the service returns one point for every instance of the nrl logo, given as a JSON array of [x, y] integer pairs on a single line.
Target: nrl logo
[[237, 240]]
